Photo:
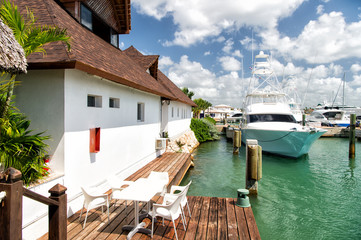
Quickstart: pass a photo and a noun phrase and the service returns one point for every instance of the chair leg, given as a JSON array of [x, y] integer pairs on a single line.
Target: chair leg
[[151, 235], [86, 216], [175, 230], [183, 220], [183, 216], [81, 212], [108, 209], [189, 211]]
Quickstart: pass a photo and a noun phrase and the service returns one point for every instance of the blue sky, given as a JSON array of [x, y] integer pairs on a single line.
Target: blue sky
[[203, 43]]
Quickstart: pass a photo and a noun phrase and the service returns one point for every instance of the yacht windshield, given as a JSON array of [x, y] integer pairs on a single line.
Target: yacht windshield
[[270, 118]]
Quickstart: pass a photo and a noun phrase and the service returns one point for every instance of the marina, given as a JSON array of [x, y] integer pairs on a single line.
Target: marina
[[312, 197]]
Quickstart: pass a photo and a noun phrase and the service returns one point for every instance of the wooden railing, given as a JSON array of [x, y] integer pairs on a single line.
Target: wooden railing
[[11, 207]]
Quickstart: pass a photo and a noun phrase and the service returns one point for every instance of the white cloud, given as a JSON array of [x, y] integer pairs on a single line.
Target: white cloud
[[165, 61], [327, 39], [205, 84], [320, 9], [203, 19], [191, 74], [355, 68], [237, 53], [228, 46], [207, 53], [230, 63]]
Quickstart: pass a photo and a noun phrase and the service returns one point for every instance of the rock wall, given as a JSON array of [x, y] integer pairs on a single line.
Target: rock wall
[[185, 143]]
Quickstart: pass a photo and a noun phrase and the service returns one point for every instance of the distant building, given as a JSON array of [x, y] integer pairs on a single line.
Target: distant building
[[219, 112], [104, 108]]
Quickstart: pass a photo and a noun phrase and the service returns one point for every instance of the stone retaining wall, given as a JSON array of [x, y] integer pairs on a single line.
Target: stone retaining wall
[[185, 143]]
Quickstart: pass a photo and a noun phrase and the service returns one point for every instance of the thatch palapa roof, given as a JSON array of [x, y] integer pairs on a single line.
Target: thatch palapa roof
[[12, 56]]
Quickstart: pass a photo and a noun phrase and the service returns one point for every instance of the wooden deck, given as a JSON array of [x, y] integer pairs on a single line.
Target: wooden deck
[[212, 218]]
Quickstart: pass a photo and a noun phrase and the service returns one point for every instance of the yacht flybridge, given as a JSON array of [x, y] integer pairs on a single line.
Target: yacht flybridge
[[268, 118]]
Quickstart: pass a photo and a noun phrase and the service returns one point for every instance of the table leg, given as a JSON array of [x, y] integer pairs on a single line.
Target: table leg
[[138, 227]]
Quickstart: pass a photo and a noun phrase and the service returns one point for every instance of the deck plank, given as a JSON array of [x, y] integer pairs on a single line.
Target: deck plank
[[212, 217], [251, 223], [203, 220], [222, 219], [231, 219]]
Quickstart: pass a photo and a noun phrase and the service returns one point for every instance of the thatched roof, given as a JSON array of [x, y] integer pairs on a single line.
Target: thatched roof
[[12, 56]]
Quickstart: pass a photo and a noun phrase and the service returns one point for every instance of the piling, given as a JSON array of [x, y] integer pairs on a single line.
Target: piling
[[236, 141], [352, 136], [303, 119], [253, 166]]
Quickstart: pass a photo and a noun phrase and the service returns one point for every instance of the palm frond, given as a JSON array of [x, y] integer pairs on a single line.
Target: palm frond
[[39, 36], [11, 16]]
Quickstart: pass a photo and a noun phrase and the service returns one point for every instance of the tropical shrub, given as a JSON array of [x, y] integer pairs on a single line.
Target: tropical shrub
[[204, 130], [210, 119], [22, 150]]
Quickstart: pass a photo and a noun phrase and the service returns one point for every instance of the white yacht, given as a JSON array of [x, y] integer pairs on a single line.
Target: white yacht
[[329, 117], [268, 117]]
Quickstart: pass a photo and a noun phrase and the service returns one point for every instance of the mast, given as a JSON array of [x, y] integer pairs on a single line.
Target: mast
[[343, 90]]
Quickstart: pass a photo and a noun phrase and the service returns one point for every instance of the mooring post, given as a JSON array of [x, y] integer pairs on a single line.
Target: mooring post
[[303, 119], [11, 206], [352, 136], [236, 141], [253, 166]]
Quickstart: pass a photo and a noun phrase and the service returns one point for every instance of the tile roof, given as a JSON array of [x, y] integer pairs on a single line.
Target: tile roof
[[89, 53], [146, 61]]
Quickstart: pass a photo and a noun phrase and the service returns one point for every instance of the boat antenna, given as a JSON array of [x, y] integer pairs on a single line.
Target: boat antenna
[[334, 99], [343, 90], [309, 80], [252, 50]]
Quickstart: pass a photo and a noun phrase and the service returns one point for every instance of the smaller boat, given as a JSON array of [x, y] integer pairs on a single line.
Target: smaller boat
[[329, 118]]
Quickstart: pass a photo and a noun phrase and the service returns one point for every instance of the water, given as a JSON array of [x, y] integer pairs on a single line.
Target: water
[[317, 196]]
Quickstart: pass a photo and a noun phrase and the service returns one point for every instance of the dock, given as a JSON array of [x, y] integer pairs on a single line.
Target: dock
[[212, 217]]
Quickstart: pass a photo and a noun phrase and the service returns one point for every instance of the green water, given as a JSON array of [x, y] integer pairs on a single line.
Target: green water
[[317, 196]]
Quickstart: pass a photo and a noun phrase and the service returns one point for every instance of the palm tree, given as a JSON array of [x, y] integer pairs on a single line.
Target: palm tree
[[31, 37], [202, 105], [186, 91]]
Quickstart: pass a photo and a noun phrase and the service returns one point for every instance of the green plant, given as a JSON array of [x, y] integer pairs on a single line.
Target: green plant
[[204, 130], [180, 145], [211, 120], [20, 149]]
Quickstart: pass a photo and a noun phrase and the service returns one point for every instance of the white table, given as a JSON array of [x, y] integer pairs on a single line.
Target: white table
[[142, 190]]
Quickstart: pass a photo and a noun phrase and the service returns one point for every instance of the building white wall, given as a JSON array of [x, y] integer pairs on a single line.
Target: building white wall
[[179, 117], [125, 143], [56, 101], [42, 100]]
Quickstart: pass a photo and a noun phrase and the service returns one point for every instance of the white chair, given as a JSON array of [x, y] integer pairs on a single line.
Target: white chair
[[162, 177], [92, 199], [170, 211], [170, 197], [117, 186]]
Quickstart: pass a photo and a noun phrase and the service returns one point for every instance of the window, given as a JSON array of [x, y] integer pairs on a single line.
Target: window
[[94, 101], [140, 112], [177, 112], [86, 17], [114, 38], [114, 102], [172, 112], [270, 118]]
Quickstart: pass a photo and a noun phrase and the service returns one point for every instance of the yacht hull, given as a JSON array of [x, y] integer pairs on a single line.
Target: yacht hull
[[289, 143]]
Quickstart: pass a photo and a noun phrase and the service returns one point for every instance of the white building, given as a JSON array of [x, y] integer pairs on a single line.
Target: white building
[[103, 108]]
